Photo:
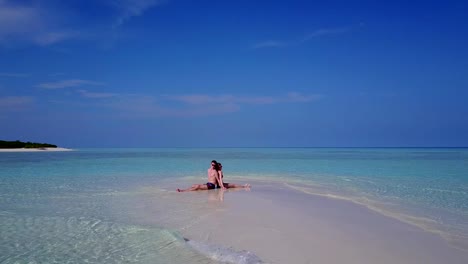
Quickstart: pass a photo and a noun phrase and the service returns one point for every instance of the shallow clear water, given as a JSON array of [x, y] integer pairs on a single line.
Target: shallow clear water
[[60, 206]]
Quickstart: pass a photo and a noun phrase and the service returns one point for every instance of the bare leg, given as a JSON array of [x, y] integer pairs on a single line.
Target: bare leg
[[232, 185], [195, 187]]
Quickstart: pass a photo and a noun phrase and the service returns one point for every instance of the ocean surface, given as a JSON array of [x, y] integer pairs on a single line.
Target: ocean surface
[[67, 207]]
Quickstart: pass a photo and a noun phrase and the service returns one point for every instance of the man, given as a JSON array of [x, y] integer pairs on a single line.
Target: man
[[214, 179], [214, 175]]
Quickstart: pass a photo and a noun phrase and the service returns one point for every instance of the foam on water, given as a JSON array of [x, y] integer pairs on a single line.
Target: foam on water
[[223, 254]]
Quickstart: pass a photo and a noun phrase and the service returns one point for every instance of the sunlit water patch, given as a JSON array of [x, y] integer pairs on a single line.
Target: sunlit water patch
[[84, 240]]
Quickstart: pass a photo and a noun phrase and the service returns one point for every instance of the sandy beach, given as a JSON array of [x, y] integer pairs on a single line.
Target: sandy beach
[[34, 149], [282, 225]]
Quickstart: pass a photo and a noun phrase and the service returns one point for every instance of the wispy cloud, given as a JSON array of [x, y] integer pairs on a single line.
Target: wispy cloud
[[133, 8], [294, 97], [48, 38], [141, 107], [327, 31], [56, 74], [315, 34], [15, 75], [87, 94], [45, 23], [197, 99], [209, 110], [200, 105], [9, 103], [67, 84], [16, 19], [31, 23], [189, 105], [192, 105]]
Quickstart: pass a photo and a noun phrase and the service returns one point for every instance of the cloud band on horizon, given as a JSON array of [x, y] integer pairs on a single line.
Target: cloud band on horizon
[[144, 106]]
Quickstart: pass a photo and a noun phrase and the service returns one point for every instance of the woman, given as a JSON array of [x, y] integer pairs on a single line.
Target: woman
[[225, 184]]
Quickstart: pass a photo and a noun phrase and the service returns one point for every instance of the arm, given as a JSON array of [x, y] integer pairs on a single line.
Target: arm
[[220, 180]]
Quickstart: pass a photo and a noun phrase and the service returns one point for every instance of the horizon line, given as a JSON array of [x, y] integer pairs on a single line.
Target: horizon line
[[412, 147]]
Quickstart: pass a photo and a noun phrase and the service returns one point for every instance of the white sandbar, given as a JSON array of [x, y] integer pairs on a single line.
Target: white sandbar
[[282, 225], [34, 149]]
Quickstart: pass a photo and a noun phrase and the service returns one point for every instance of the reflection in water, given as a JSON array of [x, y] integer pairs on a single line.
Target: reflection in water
[[218, 194]]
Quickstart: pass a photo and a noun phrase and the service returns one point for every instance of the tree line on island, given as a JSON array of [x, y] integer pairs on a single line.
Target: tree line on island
[[19, 144]]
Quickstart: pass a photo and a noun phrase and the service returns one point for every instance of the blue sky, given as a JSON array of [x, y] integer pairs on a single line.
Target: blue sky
[[179, 73]]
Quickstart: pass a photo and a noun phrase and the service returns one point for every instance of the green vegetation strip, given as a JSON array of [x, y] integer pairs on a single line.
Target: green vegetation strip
[[19, 144]]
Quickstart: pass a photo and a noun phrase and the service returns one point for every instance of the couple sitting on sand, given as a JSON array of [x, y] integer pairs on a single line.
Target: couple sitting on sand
[[215, 180]]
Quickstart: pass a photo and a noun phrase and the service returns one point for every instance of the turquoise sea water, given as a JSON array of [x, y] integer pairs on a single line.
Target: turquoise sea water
[[59, 206]]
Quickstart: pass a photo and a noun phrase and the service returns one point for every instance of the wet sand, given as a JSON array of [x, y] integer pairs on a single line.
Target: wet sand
[[283, 225]]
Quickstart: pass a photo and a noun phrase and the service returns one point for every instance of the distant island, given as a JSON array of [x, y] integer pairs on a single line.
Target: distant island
[[18, 145]]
